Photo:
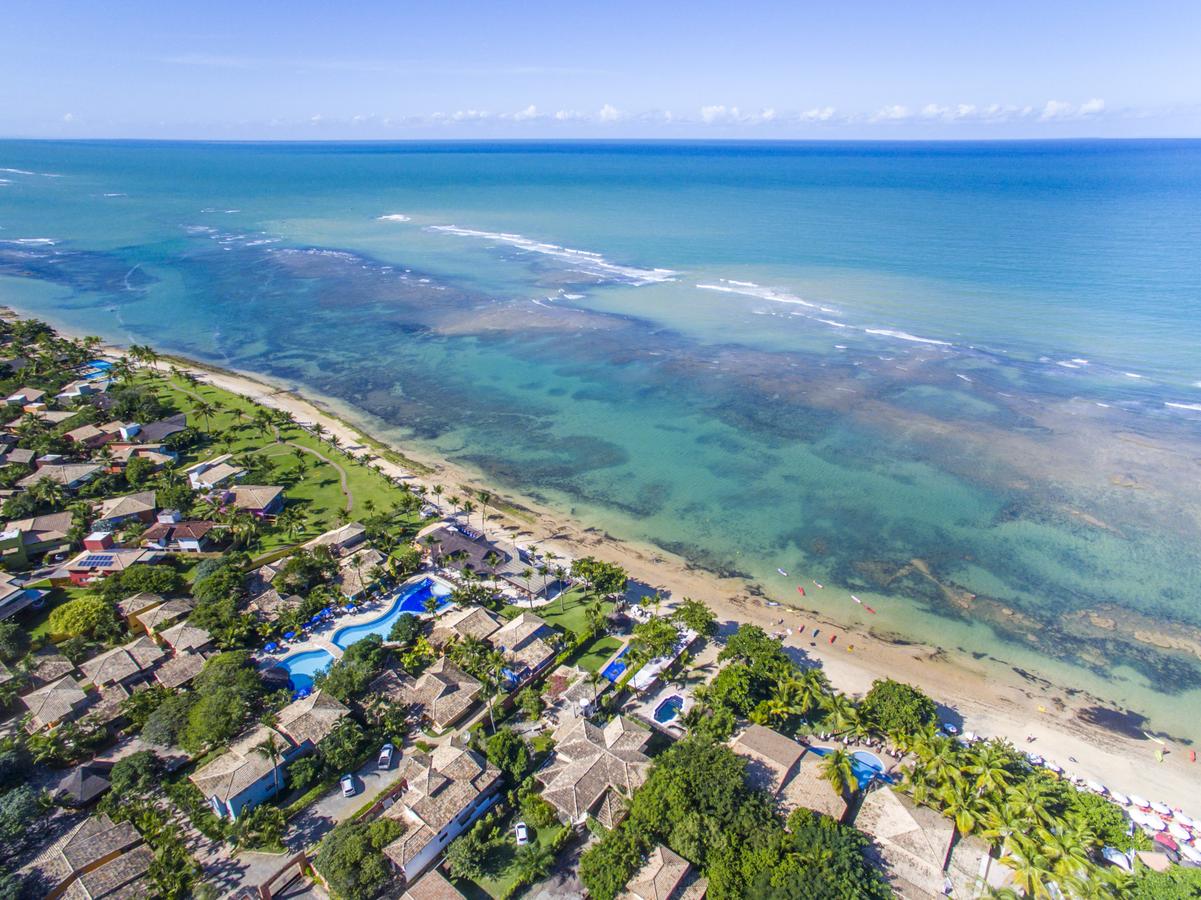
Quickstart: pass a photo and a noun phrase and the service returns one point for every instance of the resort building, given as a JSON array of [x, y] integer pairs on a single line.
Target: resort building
[[664, 876], [339, 541], [525, 643], [431, 886], [83, 784], [269, 605], [788, 771], [158, 431], [98, 859], [464, 622], [449, 546], [25, 396], [257, 499], [179, 537], [213, 473], [126, 665], [131, 606], [47, 665], [25, 540], [179, 669], [54, 703], [911, 845], [358, 573], [445, 791], [118, 511], [594, 770], [246, 775], [69, 475], [441, 695], [184, 637], [99, 559], [158, 617]]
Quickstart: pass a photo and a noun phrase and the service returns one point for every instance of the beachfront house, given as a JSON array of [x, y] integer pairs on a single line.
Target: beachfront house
[[462, 623], [526, 643], [213, 473], [788, 771], [339, 541], [594, 771], [446, 790], [441, 695], [258, 499]]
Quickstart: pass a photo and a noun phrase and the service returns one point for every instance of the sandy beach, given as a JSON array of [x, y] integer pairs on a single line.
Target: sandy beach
[[983, 699]]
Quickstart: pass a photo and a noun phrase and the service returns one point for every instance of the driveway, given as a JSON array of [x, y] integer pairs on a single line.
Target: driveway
[[309, 826]]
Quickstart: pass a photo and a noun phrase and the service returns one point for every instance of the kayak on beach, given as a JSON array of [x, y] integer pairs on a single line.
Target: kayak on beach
[[782, 572], [801, 589]]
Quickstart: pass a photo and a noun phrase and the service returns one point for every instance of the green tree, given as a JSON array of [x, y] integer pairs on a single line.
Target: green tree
[[838, 768], [86, 615], [898, 709], [349, 676], [136, 775], [351, 858], [532, 862], [508, 752], [138, 471], [14, 641], [653, 639], [405, 630], [466, 857], [343, 747], [697, 616]]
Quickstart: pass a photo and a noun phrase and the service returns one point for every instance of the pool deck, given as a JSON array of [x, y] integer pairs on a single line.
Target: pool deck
[[322, 638], [643, 707]]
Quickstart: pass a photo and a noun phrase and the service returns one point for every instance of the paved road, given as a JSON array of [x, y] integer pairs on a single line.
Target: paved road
[[331, 808]]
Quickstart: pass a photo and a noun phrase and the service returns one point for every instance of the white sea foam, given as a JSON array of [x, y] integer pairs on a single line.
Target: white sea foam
[[393, 217], [1133, 375], [905, 336], [964, 377], [1195, 407], [18, 171], [834, 323], [584, 261], [41, 242], [750, 289], [116, 194]]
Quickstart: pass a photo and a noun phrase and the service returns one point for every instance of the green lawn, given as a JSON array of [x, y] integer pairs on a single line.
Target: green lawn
[[310, 483], [37, 622], [501, 873], [566, 613], [592, 657]]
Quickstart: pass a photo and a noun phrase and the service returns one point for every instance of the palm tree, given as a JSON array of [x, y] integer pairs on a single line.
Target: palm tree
[[526, 574], [205, 410], [495, 667], [468, 509], [839, 769], [532, 862], [485, 497], [270, 749], [291, 521], [48, 491], [1031, 871], [840, 710]]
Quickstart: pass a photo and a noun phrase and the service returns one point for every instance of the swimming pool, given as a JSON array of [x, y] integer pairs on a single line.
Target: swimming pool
[[866, 766], [409, 601], [614, 670], [669, 709], [303, 667]]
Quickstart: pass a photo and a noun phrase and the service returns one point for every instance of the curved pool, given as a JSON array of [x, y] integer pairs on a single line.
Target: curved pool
[[410, 600], [304, 667], [866, 766]]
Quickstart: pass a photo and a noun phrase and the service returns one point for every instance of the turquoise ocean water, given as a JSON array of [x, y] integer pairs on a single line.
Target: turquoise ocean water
[[961, 381]]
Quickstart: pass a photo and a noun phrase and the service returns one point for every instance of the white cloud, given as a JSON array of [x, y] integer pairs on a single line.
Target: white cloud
[[609, 113], [524, 115], [569, 115], [732, 115], [1056, 109], [1092, 107], [894, 113], [69, 117], [818, 114]]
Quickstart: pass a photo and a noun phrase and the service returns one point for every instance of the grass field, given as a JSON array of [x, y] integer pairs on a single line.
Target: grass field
[[500, 868], [567, 613], [592, 657]]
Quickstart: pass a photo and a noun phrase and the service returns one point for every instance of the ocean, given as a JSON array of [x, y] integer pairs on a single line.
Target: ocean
[[961, 381]]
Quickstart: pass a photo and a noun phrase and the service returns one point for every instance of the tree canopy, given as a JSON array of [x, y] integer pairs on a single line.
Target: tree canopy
[[897, 708], [351, 858]]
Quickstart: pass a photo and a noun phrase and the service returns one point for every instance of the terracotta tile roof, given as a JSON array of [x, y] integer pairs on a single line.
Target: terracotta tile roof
[[659, 878], [523, 641], [810, 788], [311, 718], [185, 637], [354, 572], [171, 610], [470, 621], [55, 701], [440, 785], [339, 539], [254, 496], [43, 529], [66, 474], [442, 694], [771, 756], [48, 665], [123, 877], [910, 841], [269, 605], [179, 669], [239, 767], [589, 763], [122, 662], [432, 886], [139, 602], [95, 838], [129, 505]]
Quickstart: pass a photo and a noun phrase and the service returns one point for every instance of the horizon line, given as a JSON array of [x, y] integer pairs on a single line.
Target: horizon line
[[603, 140]]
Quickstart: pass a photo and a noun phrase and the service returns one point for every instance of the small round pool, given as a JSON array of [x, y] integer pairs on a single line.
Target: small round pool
[[304, 667], [668, 709], [866, 766]]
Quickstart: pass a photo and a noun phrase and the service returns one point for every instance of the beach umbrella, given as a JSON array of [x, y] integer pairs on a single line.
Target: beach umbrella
[[1118, 858], [1096, 787], [1053, 767], [1162, 808], [1137, 816], [272, 647], [1186, 821], [1192, 854], [289, 635], [1166, 841], [1119, 797], [1155, 823], [1139, 802], [1178, 831]]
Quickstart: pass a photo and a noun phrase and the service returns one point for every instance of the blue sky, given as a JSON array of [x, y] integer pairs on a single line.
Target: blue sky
[[302, 70]]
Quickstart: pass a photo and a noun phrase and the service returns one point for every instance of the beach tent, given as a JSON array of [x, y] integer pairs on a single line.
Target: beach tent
[[1178, 831], [1139, 802], [1162, 808]]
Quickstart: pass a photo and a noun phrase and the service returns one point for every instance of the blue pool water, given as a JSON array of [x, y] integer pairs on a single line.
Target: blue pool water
[[866, 766], [303, 667], [668, 709], [614, 670], [410, 601]]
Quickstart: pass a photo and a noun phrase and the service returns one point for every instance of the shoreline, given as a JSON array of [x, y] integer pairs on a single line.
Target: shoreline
[[1014, 707]]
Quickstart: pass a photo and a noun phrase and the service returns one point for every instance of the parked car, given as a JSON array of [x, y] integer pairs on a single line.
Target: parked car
[[385, 757], [522, 833], [348, 788]]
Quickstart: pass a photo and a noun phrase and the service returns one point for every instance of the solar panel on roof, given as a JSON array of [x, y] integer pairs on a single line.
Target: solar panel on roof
[[97, 561]]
